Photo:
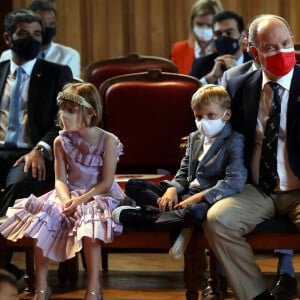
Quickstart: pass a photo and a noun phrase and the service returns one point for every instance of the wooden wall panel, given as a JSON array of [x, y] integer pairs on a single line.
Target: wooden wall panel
[[99, 29]]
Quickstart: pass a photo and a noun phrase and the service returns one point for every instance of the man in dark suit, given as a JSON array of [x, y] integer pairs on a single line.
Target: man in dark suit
[[255, 96], [244, 68], [285, 283], [228, 39], [26, 164]]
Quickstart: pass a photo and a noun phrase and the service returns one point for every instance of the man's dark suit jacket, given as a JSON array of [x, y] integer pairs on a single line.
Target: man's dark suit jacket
[[245, 92], [204, 64], [47, 79]]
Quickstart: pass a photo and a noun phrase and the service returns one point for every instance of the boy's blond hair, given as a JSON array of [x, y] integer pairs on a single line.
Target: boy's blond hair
[[91, 95], [211, 93]]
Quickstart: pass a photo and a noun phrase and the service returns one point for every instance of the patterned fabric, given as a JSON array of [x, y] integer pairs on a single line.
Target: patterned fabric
[[268, 162]]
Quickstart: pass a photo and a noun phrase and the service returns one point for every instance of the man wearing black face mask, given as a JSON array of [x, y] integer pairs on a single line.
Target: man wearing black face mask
[[28, 91], [228, 38], [50, 50]]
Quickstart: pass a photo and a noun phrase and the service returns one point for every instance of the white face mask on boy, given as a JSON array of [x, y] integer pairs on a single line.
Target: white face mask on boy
[[210, 128]]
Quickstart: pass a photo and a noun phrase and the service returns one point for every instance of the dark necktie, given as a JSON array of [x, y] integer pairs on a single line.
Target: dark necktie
[[14, 110], [42, 55], [268, 162]]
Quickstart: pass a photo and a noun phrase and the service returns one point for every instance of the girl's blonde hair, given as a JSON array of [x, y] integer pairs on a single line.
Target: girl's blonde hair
[[202, 8], [211, 93], [86, 96]]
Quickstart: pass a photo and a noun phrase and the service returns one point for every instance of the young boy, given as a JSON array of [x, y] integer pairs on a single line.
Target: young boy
[[8, 286], [211, 169]]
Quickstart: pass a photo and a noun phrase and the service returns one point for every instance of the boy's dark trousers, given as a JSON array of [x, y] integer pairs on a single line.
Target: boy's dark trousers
[[146, 193]]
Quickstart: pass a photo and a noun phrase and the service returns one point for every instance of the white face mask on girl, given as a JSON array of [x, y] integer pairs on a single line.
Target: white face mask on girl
[[204, 34], [210, 128]]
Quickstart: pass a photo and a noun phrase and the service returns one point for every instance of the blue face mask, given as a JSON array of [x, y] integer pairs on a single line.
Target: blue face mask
[[226, 45]]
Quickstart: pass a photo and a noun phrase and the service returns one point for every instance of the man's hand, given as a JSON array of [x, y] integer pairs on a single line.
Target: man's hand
[[228, 61], [35, 162], [222, 63]]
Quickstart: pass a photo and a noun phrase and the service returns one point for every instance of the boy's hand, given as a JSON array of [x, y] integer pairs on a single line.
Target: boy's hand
[[169, 198], [196, 198], [184, 203]]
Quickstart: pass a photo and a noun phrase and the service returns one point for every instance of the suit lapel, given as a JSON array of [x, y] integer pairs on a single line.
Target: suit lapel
[[35, 81], [4, 69], [251, 94], [217, 144], [37, 71], [294, 97], [197, 141]]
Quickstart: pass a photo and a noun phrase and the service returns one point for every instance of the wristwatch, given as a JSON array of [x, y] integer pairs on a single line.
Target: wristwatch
[[43, 151]]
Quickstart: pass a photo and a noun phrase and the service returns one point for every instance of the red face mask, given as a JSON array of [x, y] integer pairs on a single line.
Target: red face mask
[[281, 62]]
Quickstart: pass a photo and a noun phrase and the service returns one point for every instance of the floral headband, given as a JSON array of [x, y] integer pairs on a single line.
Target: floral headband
[[74, 98]]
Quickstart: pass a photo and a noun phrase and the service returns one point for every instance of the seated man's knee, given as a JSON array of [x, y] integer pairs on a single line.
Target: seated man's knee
[[216, 218]]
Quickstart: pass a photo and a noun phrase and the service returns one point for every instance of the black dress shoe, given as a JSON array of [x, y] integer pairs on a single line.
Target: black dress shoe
[[285, 287], [265, 296]]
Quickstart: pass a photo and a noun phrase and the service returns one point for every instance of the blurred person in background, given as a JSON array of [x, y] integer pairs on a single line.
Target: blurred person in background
[[200, 41], [50, 50]]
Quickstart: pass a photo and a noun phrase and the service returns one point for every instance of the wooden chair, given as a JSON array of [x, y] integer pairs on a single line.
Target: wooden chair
[[23, 244], [99, 71], [150, 112]]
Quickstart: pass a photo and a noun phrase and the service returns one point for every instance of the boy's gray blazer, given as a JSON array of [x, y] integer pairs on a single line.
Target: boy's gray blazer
[[220, 172]]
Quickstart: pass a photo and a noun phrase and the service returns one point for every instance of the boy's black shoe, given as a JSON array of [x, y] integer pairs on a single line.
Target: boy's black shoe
[[128, 215], [265, 296]]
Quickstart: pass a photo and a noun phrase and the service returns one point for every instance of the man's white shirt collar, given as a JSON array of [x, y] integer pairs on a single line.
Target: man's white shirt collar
[[284, 81], [27, 67]]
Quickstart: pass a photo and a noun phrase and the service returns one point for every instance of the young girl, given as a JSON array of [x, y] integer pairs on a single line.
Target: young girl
[[77, 213]]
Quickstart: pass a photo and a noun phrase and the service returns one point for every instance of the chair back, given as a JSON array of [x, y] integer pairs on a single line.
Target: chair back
[[98, 72], [150, 112]]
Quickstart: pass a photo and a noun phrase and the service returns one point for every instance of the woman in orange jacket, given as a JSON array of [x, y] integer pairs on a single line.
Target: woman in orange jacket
[[200, 41]]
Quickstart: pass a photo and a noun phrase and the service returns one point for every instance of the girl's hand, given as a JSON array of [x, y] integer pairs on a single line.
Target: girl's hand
[[169, 198], [70, 207]]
